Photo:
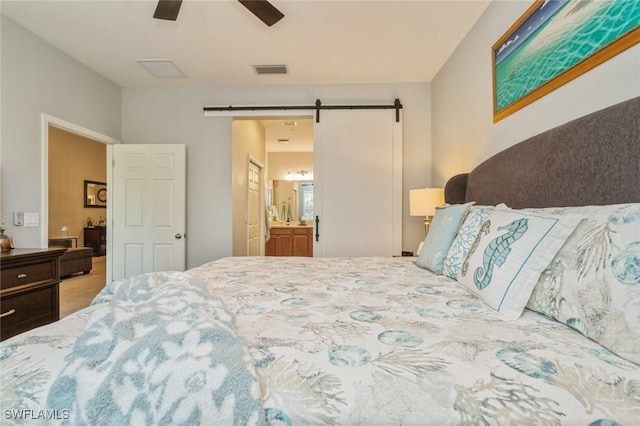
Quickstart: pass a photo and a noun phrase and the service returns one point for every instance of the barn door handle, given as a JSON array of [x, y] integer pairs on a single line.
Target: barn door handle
[[317, 228]]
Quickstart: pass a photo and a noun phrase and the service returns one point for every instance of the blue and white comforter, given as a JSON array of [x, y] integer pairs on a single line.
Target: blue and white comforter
[[156, 349], [364, 341]]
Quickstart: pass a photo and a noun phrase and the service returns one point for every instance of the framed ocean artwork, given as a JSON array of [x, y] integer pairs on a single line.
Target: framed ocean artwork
[[555, 41]]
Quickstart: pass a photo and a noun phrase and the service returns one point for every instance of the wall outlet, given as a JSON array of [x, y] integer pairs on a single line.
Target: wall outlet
[[31, 219], [18, 218]]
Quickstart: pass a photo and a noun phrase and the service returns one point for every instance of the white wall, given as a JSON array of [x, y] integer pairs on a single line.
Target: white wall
[[38, 78], [175, 115], [281, 163], [248, 142], [463, 132]]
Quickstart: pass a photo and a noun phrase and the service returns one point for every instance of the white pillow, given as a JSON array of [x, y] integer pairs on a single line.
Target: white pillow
[[593, 283], [510, 251]]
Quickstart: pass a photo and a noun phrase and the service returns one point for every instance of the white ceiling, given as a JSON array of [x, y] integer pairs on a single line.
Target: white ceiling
[[216, 42], [299, 136]]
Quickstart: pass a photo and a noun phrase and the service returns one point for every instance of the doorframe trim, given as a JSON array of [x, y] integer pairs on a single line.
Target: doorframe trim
[[261, 207], [47, 120], [258, 115]]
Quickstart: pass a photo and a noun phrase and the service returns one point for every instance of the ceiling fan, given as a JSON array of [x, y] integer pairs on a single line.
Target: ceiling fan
[[265, 11]]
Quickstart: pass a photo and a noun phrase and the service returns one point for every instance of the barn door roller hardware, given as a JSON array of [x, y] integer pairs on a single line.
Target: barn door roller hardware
[[317, 107]]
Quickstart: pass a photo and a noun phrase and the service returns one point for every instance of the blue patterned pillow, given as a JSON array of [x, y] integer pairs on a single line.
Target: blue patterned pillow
[[462, 243], [443, 229], [508, 255], [593, 283]]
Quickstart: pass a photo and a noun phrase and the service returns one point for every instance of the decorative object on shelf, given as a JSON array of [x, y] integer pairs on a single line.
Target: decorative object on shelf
[[423, 202], [5, 241], [89, 222], [64, 231], [102, 221]]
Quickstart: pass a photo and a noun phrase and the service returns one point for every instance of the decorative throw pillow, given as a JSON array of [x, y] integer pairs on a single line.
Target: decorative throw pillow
[[509, 253], [444, 226], [593, 283], [464, 239]]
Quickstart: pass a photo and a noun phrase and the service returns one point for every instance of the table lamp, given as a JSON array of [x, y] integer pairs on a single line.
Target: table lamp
[[423, 202]]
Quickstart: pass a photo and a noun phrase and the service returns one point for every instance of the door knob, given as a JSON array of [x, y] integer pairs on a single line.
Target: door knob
[[178, 236]]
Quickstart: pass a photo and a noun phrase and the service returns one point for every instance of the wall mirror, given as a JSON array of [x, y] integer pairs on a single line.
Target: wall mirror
[[95, 194], [292, 200]]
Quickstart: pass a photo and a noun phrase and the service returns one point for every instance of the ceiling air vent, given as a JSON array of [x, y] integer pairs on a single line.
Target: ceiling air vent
[[270, 69], [161, 68]]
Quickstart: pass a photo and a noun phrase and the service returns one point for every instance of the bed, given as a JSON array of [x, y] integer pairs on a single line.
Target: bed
[[383, 341]]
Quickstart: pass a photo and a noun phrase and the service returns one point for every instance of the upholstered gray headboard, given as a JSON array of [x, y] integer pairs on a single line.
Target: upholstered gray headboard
[[594, 159]]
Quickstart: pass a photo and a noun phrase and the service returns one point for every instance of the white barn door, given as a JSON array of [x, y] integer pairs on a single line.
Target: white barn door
[[358, 183], [149, 205]]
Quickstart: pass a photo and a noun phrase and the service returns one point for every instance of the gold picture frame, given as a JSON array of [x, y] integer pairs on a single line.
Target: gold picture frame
[[554, 42]]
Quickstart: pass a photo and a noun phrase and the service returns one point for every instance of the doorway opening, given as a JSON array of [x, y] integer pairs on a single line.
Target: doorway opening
[[75, 162], [284, 144]]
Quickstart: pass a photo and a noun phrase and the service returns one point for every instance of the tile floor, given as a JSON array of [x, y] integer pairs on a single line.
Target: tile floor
[[77, 291]]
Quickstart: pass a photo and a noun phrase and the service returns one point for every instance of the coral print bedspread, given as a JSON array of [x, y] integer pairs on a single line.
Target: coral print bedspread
[[378, 341], [300, 341]]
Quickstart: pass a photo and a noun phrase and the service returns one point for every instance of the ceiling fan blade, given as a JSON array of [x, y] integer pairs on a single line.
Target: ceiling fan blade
[[167, 9], [263, 10]]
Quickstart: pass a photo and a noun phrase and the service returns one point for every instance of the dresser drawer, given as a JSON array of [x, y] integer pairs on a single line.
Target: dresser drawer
[[280, 231], [301, 231], [19, 275], [28, 310]]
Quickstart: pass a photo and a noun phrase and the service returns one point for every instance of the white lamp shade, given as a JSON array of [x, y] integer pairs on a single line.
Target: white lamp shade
[[423, 202]]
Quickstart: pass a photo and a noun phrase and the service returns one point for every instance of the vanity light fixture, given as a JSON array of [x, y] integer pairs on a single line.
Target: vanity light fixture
[[299, 175]]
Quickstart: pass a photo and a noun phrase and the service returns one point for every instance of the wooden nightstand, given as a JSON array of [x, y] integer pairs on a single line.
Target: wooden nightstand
[[96, 238], [29, 289]]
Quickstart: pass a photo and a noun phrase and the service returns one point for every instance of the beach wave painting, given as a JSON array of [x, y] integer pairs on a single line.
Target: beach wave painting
[[552, 40]]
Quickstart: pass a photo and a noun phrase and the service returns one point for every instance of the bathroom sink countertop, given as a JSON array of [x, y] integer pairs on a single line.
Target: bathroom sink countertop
[[291, 225]]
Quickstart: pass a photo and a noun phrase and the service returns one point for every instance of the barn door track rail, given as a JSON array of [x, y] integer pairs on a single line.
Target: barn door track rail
[[317, 107]]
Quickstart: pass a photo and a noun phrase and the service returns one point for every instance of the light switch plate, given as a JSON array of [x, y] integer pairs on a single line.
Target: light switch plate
[[18, 218], [31, 219]]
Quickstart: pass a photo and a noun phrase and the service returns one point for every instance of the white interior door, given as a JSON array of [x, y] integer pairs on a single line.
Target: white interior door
[[254, 181], [149, 203], [358, 183]]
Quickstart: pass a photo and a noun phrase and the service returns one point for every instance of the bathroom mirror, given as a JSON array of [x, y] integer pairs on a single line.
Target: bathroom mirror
[[292, 200], [95, 194]]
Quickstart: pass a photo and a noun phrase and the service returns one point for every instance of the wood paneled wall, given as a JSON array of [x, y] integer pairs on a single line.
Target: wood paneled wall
[[72, 160]]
